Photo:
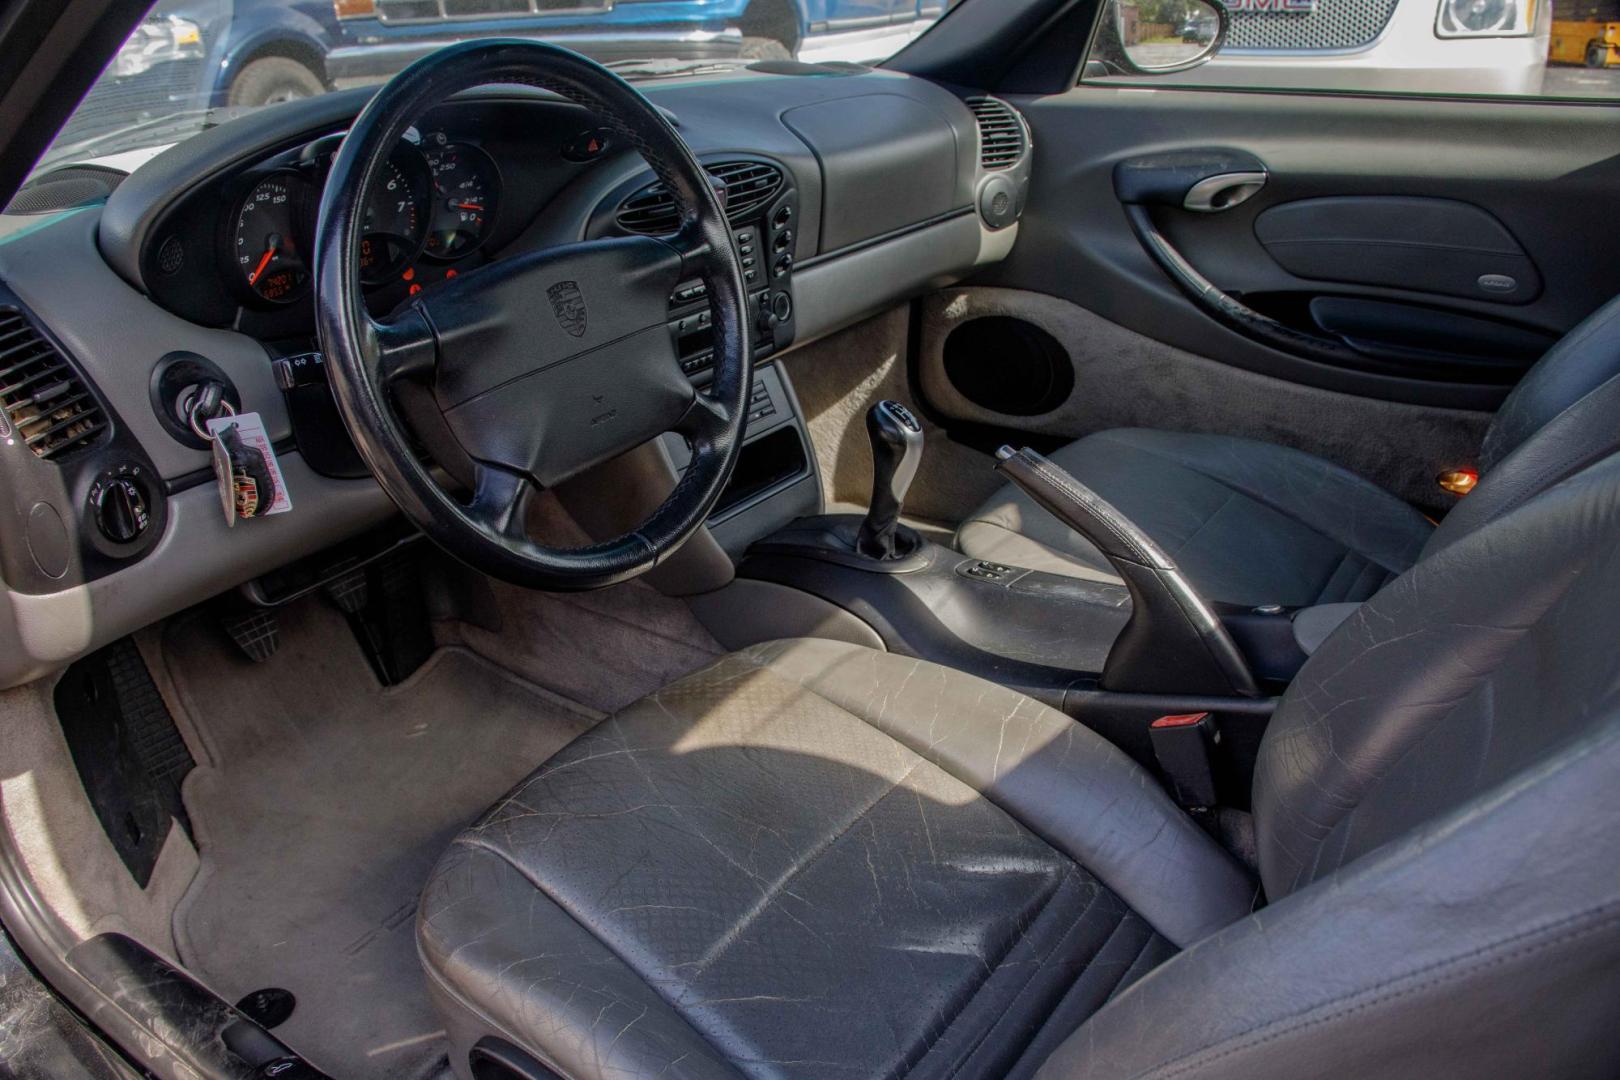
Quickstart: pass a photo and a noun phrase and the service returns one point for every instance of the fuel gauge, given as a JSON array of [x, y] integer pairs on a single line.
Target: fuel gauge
[[466, 192]]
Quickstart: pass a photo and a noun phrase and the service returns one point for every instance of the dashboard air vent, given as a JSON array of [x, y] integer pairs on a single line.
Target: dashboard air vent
[[749, 186], [45, 400], [1001, 133]]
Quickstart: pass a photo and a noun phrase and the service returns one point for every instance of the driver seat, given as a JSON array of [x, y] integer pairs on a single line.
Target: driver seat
[[815, 860]]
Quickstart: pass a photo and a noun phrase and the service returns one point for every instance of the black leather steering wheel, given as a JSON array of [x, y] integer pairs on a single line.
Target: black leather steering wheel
[[541, 364]]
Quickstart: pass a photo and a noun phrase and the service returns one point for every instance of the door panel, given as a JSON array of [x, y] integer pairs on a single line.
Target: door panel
[[982, 353], [1527, 186], [1438, 246]]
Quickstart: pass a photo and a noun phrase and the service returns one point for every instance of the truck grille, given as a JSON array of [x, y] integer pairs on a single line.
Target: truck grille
[[416, 11], [1331, 24]]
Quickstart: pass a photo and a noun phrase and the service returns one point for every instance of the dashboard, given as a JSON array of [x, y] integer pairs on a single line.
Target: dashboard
[[848, 192]]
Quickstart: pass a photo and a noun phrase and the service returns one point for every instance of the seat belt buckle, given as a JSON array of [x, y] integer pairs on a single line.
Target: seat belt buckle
[[1184, 745]]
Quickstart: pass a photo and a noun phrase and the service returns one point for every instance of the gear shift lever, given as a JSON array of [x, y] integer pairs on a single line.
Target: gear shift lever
[[897, 445]]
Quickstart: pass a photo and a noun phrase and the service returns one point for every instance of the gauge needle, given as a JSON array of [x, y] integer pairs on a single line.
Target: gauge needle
[[264, 260], [465, 206]]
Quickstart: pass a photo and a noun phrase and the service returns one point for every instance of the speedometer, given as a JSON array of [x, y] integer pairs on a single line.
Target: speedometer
[[395, 220], [266, 246], [466, 190]]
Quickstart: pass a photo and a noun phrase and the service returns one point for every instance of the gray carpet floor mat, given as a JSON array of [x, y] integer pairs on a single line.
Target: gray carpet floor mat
[[320, 809]]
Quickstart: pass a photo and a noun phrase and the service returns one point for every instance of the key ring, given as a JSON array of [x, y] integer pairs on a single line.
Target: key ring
[[199, 426]]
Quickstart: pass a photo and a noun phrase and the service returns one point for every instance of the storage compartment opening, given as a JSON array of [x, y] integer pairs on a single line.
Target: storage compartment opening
[[1008, 366], [763, 464]]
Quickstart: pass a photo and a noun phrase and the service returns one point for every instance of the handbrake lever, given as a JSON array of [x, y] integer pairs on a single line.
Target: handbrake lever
[[1174, 642]]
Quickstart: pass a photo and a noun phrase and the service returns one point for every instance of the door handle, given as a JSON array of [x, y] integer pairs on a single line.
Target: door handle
[[1190, 179], [1170, 180], [1223, 191]]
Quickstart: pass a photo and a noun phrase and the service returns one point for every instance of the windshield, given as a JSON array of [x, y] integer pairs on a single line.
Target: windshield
[[191, 64]]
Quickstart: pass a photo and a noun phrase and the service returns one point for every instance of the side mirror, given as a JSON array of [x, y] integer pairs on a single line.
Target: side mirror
[[1158, 37]]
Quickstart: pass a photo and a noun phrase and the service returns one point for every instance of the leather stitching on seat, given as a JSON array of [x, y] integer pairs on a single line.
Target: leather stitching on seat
[[1382, 992], [991, 969], [1010, 1011], [1131, 975]]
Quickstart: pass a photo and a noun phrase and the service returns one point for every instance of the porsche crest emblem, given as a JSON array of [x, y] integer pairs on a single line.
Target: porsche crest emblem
[[568, 304]]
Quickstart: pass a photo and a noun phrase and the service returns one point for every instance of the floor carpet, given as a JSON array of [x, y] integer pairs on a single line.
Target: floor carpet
[[322, 806]]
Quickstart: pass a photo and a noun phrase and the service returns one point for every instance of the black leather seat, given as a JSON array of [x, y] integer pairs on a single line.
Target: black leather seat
[[1253, 523], [815, 860]]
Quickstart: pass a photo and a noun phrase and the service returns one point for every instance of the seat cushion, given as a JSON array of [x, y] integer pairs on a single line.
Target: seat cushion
[[816, 860], [1246, 521]]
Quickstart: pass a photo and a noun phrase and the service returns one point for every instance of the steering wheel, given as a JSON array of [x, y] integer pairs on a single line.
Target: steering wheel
[[543, 364]]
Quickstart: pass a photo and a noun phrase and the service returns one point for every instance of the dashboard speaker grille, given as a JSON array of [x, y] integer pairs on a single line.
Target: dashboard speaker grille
[[1001, 133], [65, 188], [749, 185], [45, 401]]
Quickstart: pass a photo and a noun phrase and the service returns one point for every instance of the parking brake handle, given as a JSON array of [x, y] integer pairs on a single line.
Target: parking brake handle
[[1174, 642]]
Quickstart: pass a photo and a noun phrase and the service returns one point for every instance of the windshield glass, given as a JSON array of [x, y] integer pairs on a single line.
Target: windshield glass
[[191, 64]]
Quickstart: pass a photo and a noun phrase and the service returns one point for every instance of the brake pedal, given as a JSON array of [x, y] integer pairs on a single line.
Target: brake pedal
[[349, 591], [255, 632]]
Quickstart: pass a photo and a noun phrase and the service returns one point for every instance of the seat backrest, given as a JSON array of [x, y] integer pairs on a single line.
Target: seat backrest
[[1562, 417], [1586, 358], [1437, 807]]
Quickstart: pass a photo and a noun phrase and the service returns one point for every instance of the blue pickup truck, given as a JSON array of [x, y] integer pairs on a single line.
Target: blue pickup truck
[[255, 52]]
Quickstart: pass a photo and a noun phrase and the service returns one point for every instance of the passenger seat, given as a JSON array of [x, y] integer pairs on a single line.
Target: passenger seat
[[1251, 523]]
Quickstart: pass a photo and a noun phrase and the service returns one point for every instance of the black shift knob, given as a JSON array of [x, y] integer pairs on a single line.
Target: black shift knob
[[897, 445]]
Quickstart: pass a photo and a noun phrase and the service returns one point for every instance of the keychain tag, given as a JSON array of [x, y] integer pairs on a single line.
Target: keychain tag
[[245, 467]]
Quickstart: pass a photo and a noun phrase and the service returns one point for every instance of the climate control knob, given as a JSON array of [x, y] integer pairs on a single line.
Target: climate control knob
[[120, 509]]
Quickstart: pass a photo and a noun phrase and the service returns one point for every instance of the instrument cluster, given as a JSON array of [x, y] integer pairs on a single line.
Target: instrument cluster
[[433, 205]]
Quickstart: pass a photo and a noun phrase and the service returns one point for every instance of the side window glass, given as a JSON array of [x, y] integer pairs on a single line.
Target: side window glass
[[1514, 48]]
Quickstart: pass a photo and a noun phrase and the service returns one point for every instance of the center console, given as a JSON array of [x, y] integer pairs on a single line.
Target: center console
[[1116, 654]]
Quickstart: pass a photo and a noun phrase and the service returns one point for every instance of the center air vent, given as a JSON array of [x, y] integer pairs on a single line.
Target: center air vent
[[45, 400], [1001, 133], [750, 185]]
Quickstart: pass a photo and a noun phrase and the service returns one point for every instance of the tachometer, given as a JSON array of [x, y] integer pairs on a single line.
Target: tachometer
[[395, 220], [466, 189], [266, 247]]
